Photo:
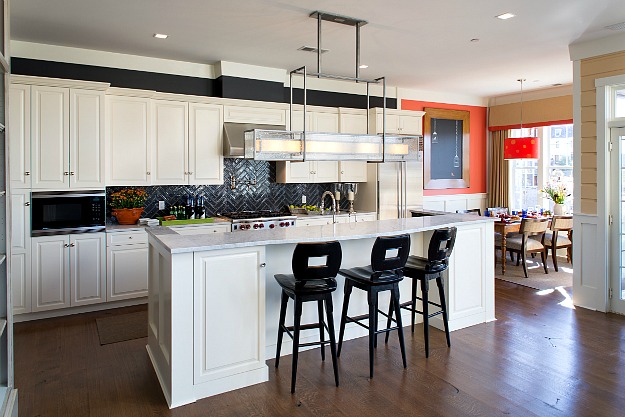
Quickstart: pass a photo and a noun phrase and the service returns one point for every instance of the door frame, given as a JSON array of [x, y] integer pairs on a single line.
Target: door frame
[[616, 229]]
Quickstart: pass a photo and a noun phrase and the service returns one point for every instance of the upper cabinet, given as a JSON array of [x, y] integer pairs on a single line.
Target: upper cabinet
[[128, 140], [398, 122], [258, 115], [19, 136], [67, 144], [187, 143], [352, 121]]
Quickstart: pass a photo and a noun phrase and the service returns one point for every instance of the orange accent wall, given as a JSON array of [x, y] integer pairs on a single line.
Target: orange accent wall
[[477, 146]]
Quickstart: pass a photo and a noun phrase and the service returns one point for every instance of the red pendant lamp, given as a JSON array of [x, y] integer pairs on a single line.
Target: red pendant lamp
[[521, 148]]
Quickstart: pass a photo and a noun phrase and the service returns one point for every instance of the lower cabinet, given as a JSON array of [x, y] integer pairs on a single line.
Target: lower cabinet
[[327, 219], [203, 229], [68, 270], [127, 265]]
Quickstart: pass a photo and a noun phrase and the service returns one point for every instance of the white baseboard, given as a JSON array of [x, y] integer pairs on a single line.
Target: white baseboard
[[17, 318]]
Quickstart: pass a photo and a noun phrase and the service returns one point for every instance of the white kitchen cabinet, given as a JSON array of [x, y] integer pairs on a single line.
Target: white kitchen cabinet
[[341, 218], [128, 140], [257, 115], [68, 270], [67, 141], [127, 265], [316, 121], [239, 305], [352, 121], [170, 142], [398, 122], [364, 217], [20, 251], [19, 136], [50, 137], [205, 154]]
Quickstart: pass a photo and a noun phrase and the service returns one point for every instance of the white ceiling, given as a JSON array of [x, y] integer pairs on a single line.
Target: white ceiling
[[416, 44]]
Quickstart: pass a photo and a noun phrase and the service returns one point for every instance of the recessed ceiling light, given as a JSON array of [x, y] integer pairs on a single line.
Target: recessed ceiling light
[[160, 36], [504, 16], [474, 40], [312, 49], [363, 66]]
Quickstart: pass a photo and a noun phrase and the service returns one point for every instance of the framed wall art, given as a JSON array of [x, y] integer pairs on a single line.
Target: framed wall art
[[446, 149]]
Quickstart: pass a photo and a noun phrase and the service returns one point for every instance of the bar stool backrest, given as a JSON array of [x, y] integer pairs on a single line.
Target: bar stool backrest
[[441, 245], [383, 260], [562, 223], [303, 271]]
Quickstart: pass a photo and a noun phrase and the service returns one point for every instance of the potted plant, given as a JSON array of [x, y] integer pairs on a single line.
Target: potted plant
[[127, 204], [557, 192]]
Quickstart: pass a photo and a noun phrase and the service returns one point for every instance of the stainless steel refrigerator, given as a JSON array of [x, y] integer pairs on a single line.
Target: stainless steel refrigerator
[[392, 189]]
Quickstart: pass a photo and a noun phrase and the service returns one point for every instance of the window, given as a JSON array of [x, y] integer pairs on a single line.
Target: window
[[619, 102], [529, 176]]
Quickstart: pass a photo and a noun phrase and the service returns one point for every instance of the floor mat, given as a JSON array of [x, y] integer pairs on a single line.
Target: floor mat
[[536, 274]]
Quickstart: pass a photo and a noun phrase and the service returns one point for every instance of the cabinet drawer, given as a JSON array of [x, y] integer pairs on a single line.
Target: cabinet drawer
[[201, 230], [126, 238], [258, 115]]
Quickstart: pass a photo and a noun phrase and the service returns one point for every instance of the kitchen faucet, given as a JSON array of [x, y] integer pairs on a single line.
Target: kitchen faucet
[[323, 197]]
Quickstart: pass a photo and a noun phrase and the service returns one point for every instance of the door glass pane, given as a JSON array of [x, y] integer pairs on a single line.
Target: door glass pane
[[619, 103]]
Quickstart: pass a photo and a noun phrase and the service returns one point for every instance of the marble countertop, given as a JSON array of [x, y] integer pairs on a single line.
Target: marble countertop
[[177, 243], [112, 227]]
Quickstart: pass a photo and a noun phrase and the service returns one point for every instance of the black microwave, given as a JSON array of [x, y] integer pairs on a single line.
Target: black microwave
[[59, 213]]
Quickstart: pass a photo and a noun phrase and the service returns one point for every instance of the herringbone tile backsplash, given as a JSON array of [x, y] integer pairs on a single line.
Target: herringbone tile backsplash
[[265, 195]]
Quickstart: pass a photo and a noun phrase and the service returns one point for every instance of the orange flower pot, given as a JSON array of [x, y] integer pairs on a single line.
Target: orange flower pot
[[128, 215]]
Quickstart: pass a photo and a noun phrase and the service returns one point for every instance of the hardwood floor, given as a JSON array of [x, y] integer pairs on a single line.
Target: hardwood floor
[[539, 358]]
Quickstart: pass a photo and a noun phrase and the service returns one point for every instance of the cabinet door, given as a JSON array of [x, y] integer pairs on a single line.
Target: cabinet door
[[86, 139], [297, 121], [352, 171], [128, 144], [326, 122], [20, 283], [206, 161], [299, 172], [410, 125], [50, 272], [203, 230], [326, 171], [20, 221], [392, 123], [353, 123], [50, 137], [170, 142], [88, 268], [127, 272], [19, 136], [240, 305], [258, 115]]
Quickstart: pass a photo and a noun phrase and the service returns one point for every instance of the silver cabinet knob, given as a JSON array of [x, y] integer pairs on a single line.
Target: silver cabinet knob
[[27, 173], [66, 245], [148, 173], [72, 173], [263, 265], [129, 237], [190, 173], [72, 245], [66, 173], [342, 172], [27, 203]]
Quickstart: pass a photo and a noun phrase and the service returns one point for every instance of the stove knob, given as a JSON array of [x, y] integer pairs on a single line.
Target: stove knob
[[256, 226], [247, 227], [262, 225], [281, 224], [286, 224], [271, 226]]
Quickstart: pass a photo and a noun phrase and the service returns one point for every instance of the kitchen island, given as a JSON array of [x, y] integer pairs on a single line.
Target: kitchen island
[[213, 304]]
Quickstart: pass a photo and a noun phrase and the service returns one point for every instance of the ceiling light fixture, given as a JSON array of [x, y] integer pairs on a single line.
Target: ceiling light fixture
[[160, 36], [527, 147], [505, 16]]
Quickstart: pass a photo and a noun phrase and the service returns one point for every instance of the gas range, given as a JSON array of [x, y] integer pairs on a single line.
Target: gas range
[[259, 220]]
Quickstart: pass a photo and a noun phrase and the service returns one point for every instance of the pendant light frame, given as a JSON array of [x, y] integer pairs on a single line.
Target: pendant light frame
[[526, 147]]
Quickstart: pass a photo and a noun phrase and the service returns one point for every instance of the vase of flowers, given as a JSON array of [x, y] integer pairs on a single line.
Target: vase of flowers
[[127, 204], [557, 192]]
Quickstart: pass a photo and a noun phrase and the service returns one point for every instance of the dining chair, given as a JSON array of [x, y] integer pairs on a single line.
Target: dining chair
[[523, 243], [559, 236]]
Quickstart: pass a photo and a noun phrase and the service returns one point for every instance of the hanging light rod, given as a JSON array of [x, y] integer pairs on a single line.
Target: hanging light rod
[[344, 20], [337, 77]]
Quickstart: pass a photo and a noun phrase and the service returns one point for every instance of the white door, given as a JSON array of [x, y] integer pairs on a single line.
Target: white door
[[20, 251], [50, 272], [127, 272], [50, 137], [86, 139], [88, 268], [19, 136], [170, 142], [616, 292], [326, 171], [206, 161], [128, 141]]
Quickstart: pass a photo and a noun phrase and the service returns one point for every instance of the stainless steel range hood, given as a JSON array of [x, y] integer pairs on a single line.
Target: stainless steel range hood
[[234, 137]]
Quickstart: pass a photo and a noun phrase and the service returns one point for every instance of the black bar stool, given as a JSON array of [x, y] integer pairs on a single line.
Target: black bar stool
[[424, 270], [310, 283], [388, 257]]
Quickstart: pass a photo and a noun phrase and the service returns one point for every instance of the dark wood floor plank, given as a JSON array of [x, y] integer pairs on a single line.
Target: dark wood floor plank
[[538, 359]]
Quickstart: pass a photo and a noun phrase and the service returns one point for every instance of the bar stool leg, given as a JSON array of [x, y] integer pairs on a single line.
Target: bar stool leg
[[375, 321], [426, 326], [414, 303], [285, 300], [296, 327], [348, 291], [391, 309], [400, 330], [321, 329], [441, 295], [372, 316], [329, 312]]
